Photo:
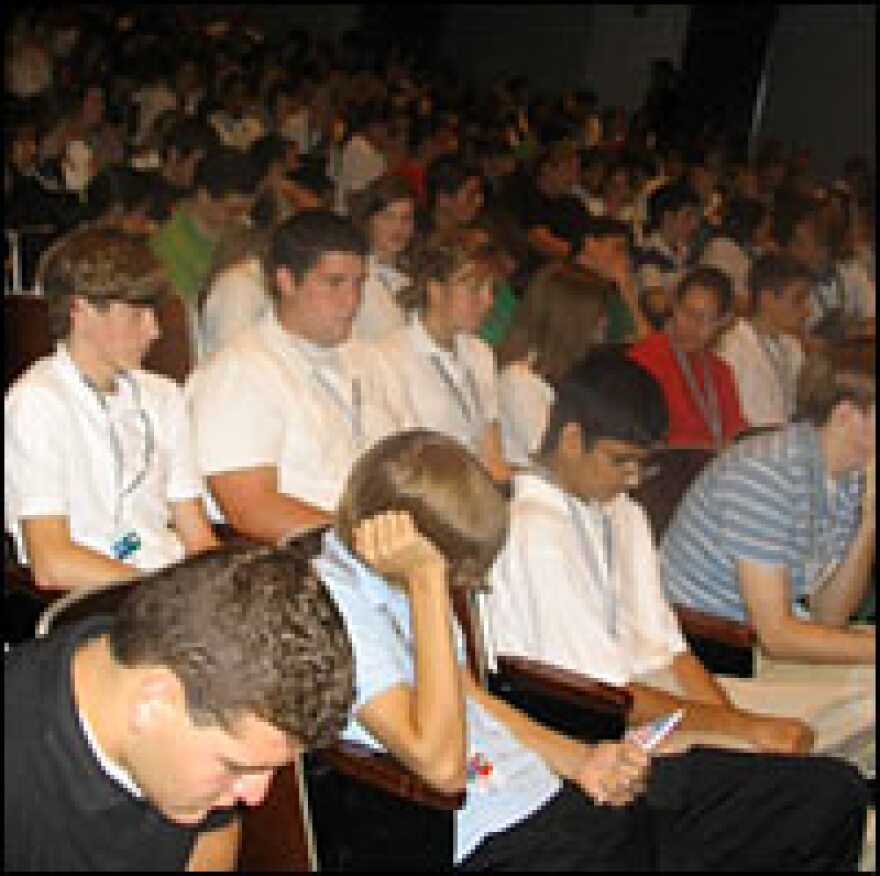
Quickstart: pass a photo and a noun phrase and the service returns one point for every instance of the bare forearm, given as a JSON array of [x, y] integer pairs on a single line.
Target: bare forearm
[[73, 566], [439, 714], [273, 517], [696, 681], [812, 642], [837, 600]]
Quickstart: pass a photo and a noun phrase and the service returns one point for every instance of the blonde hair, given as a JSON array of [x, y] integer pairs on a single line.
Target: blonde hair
[[451, 498], [558, 319]]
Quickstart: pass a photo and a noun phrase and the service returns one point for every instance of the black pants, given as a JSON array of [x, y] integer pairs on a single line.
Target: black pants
[[708, 809]]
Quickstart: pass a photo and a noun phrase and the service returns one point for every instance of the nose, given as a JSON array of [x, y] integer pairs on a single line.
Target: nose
[[252, 790]]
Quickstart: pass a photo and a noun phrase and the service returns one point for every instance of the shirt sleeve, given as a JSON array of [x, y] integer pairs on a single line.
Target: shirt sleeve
[[36, 455], [237, 422], [184, 480]]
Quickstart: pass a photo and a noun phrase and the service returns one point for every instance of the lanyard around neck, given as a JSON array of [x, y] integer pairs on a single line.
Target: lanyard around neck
[[601, 574], [353, 412], [120, 489], [706, 399], [471, 412], [780, 362]]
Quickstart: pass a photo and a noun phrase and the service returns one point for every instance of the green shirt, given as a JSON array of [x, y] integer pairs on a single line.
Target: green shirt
[[186, 252], [498, 321]]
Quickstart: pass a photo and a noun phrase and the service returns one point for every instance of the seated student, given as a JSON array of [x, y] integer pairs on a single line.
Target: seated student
[[562, 316], [385, 212], [605, 249], [128, 742], [578, 585], [745, 234], [100, 481], [281, 412], [700, 389], [450, 374], [763, 349], [418, 516], [454, 195], [668, 250], [785, 519]]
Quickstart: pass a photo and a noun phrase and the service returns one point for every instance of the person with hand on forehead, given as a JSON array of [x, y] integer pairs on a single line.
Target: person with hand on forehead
[[419, 516], [700, 390], [100, 478]]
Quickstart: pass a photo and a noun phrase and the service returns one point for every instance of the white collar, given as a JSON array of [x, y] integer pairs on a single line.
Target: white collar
[[111, 768], [426, 344]]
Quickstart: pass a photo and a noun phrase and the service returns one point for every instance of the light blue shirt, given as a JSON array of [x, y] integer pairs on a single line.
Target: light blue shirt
[[767, 499], [377, 619]]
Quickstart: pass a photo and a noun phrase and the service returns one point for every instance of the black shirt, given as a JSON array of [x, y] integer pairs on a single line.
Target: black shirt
[[61, 810]]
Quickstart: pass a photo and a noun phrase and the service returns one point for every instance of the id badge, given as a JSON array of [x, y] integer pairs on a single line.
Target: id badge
[[126, 545]]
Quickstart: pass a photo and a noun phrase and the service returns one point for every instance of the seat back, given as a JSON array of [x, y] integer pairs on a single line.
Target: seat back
[[25, 334]]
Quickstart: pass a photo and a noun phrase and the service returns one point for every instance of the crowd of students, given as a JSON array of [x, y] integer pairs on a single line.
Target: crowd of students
[[451, 327]]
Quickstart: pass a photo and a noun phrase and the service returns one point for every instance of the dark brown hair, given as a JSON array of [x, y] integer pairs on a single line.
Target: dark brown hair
[[821, 388], [247, 631]]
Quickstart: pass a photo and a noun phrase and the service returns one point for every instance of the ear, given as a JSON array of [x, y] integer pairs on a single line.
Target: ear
[[156, 692], [571, 441], [285, 281]]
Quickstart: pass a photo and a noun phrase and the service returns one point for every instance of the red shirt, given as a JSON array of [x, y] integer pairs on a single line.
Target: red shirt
[[688, 426]]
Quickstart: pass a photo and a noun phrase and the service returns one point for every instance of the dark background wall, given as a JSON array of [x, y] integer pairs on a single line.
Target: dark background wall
[[821, 87]]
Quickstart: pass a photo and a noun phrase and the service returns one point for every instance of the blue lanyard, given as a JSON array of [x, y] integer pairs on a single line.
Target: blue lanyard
[[706, 399], [121, 490], [470, 415], [354, 413], [602, 574]]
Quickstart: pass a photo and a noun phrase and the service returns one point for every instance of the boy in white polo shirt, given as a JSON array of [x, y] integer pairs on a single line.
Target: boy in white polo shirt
[[283, 410], [100, 481], [578, 582]]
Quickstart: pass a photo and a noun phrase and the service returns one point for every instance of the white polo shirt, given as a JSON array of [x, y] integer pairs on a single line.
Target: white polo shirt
[[269, 398], [454, 392], [62, 455], [524, 400], [238, 297], [766, 372], [549, 600], [379, 313]]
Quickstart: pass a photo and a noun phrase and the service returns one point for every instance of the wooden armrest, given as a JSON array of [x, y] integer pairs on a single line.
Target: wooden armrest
[[565, 685], [720, 629], [383, 771]]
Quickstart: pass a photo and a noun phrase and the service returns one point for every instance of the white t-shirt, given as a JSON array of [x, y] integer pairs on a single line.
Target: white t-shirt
[[62, 459], [453, 392], [728, 256], [379, 313], [525, 400], [766, 372], [270, 399], [546, 603], [238, 297]]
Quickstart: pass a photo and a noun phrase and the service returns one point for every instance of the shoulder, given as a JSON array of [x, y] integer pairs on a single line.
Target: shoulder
[[42, 387], [647, 350]]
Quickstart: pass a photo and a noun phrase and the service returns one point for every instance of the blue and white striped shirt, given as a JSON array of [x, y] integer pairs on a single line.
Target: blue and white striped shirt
[[767, 499]]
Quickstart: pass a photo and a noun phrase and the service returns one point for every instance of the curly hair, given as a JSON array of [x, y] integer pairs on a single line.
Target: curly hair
[[246, 631]]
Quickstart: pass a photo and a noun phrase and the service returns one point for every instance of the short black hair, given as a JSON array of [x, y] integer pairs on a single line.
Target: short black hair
[[610, 397], [670, 199], [447, 174], [606, 226], [774, 272], [299, 242], [790, 209], [228, 171]]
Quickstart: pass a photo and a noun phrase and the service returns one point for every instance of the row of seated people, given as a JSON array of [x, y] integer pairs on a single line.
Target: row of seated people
[[275, 470]]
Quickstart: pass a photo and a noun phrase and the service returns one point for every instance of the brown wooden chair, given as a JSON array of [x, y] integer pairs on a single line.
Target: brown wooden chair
[[724, 646], [25, 334]]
